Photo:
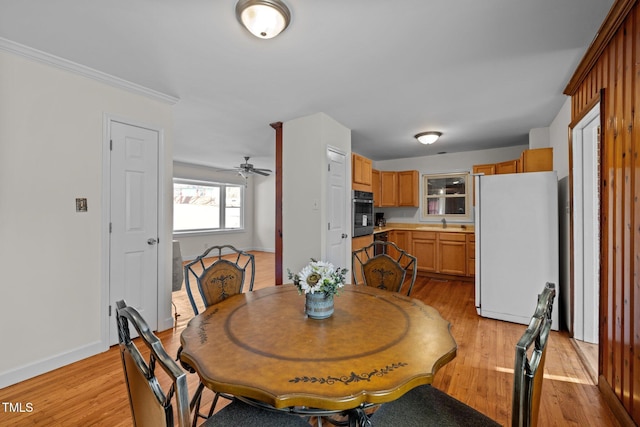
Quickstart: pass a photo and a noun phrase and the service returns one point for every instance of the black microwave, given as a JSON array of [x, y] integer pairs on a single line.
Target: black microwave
[[362, 213]]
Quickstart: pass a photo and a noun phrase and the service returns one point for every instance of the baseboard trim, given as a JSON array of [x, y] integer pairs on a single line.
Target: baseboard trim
[[614, 403], [49, 364]]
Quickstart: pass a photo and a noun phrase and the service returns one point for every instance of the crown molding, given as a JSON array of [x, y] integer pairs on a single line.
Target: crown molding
[[64, 64]]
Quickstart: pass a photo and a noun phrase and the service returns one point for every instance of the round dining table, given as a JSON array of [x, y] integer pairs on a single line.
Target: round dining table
[[261, 345]]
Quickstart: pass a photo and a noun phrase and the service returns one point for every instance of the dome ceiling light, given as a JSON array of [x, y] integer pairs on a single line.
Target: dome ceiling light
[[428, 137], [264, 19]]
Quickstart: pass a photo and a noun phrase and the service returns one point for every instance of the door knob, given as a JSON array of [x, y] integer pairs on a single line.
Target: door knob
[[151, 241], [344, 236]]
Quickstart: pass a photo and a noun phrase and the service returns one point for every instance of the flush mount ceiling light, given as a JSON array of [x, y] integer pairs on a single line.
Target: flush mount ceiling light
[[428, 137], [265, 19]]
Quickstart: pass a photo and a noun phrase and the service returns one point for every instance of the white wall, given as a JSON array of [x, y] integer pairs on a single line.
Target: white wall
[[539, 138], [442, 163], [51, 139], [304, 171], [264, 220]]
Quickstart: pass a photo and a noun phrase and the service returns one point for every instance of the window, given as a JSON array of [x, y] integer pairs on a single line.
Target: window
[[446, 196], [207, 206]]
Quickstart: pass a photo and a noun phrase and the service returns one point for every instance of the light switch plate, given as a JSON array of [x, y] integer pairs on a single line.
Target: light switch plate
[[81, 204]]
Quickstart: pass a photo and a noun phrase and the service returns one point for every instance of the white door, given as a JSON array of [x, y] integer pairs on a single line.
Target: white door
[[586, 228], [337, 210], [133, 249]]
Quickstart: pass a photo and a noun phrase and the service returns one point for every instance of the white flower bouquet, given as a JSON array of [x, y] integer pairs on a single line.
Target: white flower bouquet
[[319, 276]]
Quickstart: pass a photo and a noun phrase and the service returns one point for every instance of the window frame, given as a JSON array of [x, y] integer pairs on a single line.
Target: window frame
[[221, 208], [424, 197]]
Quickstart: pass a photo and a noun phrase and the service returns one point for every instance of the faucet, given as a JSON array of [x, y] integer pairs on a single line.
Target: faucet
[[444, 223]]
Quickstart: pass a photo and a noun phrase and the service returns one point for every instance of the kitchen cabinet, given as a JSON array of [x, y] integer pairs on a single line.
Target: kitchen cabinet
[[388, 188], [408, 187], [361, 172], [510, 166], [401, 239], [399, 188], [489, 169], [452, 254], [537, 160], [424, 246], [471, 255], [375, 187], [359, 243]]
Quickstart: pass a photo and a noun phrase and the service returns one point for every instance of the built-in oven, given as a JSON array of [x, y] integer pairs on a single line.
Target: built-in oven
[[362, 213]]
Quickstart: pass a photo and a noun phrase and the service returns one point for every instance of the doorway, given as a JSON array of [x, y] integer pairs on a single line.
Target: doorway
[[133, 210], [586, 227]]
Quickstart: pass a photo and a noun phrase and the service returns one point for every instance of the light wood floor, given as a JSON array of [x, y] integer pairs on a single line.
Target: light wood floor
[[92, 391]]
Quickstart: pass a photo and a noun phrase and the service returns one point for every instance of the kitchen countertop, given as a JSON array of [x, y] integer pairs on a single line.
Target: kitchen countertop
[[451, 228]]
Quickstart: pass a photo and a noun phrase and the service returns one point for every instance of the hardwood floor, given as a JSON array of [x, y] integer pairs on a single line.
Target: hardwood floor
[[92, 391]]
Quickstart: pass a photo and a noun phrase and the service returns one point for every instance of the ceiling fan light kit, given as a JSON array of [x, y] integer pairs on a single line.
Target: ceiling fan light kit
[[428, 137], [264, 19]]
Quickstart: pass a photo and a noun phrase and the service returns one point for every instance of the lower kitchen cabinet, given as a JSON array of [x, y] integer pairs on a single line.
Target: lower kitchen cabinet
[[452, 254], [401, 239], [359, 243], [424, 246], [471, 255]]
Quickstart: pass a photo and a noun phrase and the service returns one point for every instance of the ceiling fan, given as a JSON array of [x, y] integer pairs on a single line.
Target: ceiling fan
[[245, 169]]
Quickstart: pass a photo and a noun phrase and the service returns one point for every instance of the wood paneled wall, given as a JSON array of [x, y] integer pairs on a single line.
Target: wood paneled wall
[[610, 71]]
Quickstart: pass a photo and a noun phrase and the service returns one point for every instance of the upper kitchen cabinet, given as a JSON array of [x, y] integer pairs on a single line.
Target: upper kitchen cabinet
[[399, 189], [537, 160], [489, 169], [388, 188], [361, 171], [532, 160], [408, 184], [375, 187], [510, 166]]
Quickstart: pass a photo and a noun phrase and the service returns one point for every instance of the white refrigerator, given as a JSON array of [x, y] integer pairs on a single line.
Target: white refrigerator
[[516, 219]]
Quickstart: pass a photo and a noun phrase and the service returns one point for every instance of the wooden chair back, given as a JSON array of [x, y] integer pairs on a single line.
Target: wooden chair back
[[529, 363], [150, 405], [385, 266], [221, 271]]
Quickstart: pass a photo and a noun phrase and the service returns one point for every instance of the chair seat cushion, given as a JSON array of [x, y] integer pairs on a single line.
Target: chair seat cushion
[[428, 406], [238, 413]]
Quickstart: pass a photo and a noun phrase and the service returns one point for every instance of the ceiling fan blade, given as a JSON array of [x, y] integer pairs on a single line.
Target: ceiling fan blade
[[260, 172]]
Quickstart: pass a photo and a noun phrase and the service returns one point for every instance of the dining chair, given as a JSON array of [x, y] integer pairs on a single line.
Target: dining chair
[[385, 266], [153, 407], [218, 273], [427, 406]]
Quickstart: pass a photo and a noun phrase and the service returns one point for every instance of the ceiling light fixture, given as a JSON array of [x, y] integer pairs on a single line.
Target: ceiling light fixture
[[428, 137], [265, 19]]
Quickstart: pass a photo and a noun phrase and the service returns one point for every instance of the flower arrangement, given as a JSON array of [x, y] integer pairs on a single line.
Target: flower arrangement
[[319, 276]]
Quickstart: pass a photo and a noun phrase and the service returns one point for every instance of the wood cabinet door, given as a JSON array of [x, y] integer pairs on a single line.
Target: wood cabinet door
[[510, 166], [388, 188], [359, 243], [488, 169], [426, 250], [452, 254], [401, 239], [361, 170], [408, 185], [375, 187], [537, 160], [471, 255]]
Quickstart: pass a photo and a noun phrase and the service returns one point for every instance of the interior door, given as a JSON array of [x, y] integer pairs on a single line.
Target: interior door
[[133, 248], [336, 209]]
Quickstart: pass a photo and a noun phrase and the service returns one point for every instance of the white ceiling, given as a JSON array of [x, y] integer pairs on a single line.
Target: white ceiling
[[483, 72]]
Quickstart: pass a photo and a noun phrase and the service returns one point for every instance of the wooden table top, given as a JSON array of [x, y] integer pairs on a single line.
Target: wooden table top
[[261, 345]]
